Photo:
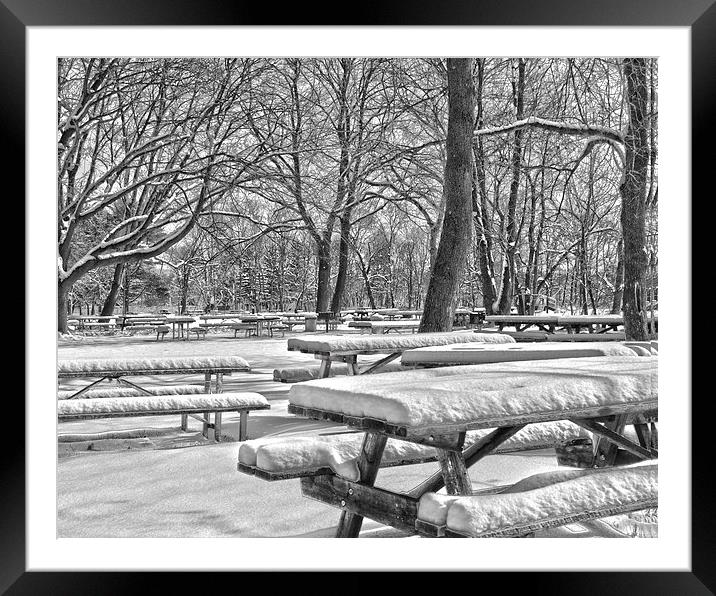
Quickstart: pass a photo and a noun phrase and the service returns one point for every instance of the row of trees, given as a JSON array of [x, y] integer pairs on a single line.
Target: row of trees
[[327, 182]]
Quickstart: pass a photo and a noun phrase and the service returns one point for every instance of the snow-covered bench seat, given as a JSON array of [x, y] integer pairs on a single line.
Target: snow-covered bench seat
[[346, 348], [200, 331], [199, 406], [541, 501], [383, 327], [481, 353], [132, 392], [247, 328], [279, 458], [296, 374], [534, 336]]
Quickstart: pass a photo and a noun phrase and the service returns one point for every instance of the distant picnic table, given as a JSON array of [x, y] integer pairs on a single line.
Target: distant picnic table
[[180, 324], [163, 400], [261, 322]]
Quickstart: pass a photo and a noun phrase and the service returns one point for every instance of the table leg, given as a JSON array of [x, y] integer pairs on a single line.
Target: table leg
[[368, 464], [207, 389], [352, 363], [243, 423], [454, 472], [325, 369]]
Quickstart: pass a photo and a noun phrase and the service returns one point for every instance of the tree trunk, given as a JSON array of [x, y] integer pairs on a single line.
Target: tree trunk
[[342, 276], [455, 239], [484, 246], [62, 291], [508, 267], [323, 291], [111, 300], [634, 191]]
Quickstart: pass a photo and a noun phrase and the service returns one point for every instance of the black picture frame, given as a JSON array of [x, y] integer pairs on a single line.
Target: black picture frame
[[699, 15]]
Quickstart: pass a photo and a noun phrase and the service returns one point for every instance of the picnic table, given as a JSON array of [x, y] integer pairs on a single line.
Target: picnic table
[[546, 323], [293, 318], [346, 348], [96, 321], [143, 321], [440, 407], [261, 323], [98, 370], [180, 324]]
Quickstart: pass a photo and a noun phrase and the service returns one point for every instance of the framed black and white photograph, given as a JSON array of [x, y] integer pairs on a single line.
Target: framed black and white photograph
[[395, 280]]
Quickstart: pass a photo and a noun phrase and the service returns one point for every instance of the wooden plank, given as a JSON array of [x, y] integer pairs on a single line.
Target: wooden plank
[[470, 456], [368, 464], [85, 389], [428, 529], [358, 500], [615, 438], [642, 433], [274, 476], [139, 388], [381, 362], [454, 472]]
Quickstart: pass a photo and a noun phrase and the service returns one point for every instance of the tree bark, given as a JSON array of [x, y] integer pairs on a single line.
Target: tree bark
[[342, 277], [63, 289], [323, 291], [634, 191], [618, 282], [455, 239], [484, 246], [508, 267], [111, 300]]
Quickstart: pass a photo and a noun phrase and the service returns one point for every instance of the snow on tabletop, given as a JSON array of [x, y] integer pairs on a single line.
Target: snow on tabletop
[[476, 353], [130, 392], [152, 403], [340, 452], [485, 394], [89, 365], [348, 343], [610, 489]]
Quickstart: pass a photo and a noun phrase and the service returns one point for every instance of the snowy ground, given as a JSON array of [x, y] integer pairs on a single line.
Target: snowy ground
[[174, 484]]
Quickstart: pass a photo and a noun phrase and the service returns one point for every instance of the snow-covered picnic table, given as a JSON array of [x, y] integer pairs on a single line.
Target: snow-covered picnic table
[[437, 407], [347, 348], [100, 369], [571, 324], [546, 323]]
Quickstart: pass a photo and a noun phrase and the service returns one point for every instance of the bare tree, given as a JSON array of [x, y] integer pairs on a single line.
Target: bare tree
[[143, 146], [457, 226]]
